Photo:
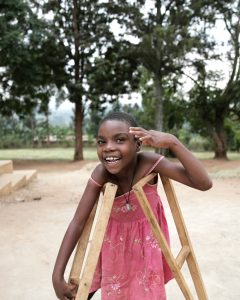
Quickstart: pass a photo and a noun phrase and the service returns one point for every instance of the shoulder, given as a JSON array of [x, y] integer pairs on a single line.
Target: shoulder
[[148, 160], [99, 175], [149, 156]]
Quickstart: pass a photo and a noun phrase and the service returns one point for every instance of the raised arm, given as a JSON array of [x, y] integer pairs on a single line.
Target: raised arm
[[71, 237], [190, 172]]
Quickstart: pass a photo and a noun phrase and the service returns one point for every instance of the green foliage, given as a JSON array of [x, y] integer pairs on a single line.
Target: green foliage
[[14, 133], [83, 27], [31, 61], [146, 116], [174, 107], [91, 123], [212, 107], [199, 143], [32, 132], [69, 48], [232, 127], [167, 35], [97, 66], [113, 74]]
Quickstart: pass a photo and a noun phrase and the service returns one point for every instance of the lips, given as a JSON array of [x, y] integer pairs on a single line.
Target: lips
[[111, 159]]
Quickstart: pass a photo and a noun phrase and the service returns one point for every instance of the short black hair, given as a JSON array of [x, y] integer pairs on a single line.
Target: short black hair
[[120, 116]]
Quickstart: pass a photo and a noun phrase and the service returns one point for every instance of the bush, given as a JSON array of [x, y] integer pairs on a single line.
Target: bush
[[199, 143], [9, 141]]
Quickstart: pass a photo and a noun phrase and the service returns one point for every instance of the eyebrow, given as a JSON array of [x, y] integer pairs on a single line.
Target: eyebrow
[[116, 135]]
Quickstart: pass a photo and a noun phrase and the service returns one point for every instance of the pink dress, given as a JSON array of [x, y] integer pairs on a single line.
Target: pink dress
[[131, 265]]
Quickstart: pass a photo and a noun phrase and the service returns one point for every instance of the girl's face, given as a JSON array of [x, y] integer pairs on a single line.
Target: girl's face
[[116, 147]]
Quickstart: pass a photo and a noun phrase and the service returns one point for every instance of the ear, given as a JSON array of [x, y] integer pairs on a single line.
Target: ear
[[138, 145]]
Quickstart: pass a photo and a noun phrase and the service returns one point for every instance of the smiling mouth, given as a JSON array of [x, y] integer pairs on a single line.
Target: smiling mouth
[[111, 159]]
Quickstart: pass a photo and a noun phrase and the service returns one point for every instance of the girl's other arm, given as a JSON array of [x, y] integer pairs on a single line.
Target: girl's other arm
[[191, 172], [71, 237]]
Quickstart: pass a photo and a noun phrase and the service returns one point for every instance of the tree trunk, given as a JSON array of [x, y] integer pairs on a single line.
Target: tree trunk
[[47, 128], [159, 109], [33, 131], [78, 152], [159, 104], [220, 146], [219, 139]]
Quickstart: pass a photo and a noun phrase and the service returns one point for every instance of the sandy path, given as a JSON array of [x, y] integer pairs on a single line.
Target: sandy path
[[31, 231]]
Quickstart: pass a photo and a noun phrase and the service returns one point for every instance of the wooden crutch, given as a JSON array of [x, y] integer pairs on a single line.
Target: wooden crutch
[[186, 253], [102, 215], [90, 243]]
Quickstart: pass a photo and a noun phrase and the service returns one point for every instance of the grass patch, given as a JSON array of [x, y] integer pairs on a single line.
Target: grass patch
[[210, 155], [229, 173], [89, 153], [46, 154]]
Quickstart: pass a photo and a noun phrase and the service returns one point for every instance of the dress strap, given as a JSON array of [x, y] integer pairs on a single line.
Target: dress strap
[[155, 164], [95, 182]]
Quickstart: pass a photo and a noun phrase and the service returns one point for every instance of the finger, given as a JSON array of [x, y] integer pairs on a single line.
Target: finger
[[69, 295], [138, 132], [146, 140], [73, 286], [65, 298], [136, 129], [74, 289]]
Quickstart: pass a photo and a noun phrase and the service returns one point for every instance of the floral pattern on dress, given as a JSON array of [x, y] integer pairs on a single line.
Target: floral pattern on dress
[[124, 209], [131, 262], [151, 241], [148, 241], [114, 247], [114, 286], [148, 279]]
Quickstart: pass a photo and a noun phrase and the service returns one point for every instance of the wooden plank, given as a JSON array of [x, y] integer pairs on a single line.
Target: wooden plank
[[182, 255], [146, 179], [17, 180], [95, 244], [93, 248], [5, 188], [78, 259], [184, 238], [146, 207], [30, 174], [6, 166]]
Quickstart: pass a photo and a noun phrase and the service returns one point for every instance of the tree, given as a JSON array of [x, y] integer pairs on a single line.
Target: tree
[[83, 27], [210, 104], [173, 108], [117, 68], [207, 112], [29, 60], [166, 38], [99, 67]]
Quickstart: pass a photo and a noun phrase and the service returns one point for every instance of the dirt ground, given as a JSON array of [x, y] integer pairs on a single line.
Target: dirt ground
[[34, 219]]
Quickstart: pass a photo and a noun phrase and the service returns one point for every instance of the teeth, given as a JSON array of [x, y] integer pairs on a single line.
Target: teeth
[[111, 158]]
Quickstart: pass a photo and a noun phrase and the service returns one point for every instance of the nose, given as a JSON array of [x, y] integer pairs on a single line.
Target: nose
[[110, 146]]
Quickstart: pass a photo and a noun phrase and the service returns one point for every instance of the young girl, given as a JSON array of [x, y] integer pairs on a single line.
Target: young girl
[[131, 265]]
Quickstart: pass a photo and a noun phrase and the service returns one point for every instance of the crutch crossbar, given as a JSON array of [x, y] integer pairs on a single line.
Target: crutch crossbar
[[182, 256]]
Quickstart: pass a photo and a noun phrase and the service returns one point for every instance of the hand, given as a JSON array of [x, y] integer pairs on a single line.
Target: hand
[[153, 138], [65, 291]]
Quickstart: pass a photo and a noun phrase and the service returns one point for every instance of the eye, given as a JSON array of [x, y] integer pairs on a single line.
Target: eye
[[120, 140], [100, 142]]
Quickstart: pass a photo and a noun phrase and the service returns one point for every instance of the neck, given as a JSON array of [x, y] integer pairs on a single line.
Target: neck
[[125, 181]]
